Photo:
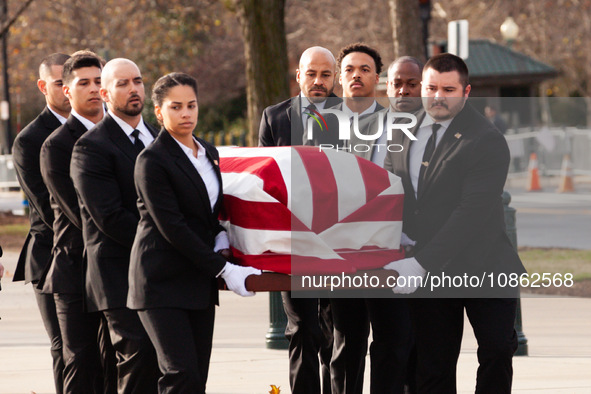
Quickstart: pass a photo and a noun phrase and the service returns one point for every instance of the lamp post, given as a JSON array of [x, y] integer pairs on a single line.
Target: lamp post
[[509, 31]]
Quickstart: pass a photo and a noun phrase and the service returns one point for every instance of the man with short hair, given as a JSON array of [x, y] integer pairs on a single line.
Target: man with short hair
[[102, 171], [309, 320], [360, 67], [389, 318], [80, 330], [453, 177], [36, 252]]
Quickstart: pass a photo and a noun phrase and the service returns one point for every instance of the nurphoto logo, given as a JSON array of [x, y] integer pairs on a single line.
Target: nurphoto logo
[[360, 140]]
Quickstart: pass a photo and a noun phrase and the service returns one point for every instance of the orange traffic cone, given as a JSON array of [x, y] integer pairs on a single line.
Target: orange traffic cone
[[566, 176], [533, 179]]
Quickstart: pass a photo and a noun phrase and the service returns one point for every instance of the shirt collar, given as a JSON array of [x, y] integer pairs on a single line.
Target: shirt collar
[[126, 127], [188, 151], [58, 116], [428, 121], [305, 102], [369, 110], [87, 123]]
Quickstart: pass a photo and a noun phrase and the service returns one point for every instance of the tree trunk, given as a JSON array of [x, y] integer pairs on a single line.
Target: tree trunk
[[265, 52], [407, 29]]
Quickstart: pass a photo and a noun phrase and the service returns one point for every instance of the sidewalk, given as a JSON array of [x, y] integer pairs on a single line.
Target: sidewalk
[[558, 330]]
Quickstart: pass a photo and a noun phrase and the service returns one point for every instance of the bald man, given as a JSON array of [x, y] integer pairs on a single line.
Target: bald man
[[283, 124], [102, 170], [309, 320]]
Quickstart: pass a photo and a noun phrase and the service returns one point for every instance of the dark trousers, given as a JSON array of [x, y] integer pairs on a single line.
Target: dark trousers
[[137, 366], [46, 305], [389, 350], [310, 334], [83, 369], [108, 357], [439, 325], [183, 340]]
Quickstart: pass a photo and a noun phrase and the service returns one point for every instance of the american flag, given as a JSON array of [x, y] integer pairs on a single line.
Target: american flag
[[303, 210]]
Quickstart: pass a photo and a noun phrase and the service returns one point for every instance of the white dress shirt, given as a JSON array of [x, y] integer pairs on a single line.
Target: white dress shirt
[[145, 135], [87, 123], [417, 148], [58, 116], [205, 170], [210, 179]]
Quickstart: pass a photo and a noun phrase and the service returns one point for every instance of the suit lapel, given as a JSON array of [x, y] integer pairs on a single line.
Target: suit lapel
[[216, 166], [151, 129], [183, 162], [76, 127], [448, 143], [50, 122], [119, 138], [294, 116]]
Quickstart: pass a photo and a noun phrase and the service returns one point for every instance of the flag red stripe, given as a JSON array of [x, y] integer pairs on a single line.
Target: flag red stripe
[[375, 181], [264, 167], [325, 203], [256, 215], [386, 208]]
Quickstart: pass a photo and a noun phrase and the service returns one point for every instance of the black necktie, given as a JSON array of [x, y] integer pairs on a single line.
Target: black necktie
[[429, 149], [139, 145]]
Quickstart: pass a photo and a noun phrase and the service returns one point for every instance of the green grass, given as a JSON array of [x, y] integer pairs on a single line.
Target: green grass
[[14, 229], [577, 262]]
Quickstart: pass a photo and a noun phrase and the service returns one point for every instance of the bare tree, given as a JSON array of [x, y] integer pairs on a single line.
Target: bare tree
[[265, 53], [406, 28]]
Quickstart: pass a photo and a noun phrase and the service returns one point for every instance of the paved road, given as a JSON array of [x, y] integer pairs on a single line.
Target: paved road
[[548, 219]]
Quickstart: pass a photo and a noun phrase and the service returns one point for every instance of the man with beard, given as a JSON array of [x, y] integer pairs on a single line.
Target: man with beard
[[102, 170], [36, 252], [309, 320], [80, 331], [453, 177]]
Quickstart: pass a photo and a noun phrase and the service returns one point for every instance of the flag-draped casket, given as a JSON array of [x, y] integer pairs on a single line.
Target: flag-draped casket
[[303, 210]]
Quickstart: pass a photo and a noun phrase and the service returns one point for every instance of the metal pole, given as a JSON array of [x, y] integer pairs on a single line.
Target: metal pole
[[6, 95], [278, 321], [511, 230]]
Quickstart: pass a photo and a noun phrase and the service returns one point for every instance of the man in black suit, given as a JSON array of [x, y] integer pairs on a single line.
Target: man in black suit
[[360, 67], [309, 320], [453, 177], [102, 171], [36, 252], [80, 330]]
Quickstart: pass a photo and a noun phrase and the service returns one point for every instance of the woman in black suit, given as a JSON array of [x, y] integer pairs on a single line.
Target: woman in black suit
[[180, 247]]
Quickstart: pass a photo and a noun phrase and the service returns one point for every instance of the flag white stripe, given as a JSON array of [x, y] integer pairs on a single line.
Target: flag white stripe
[[347, 175], [247, 187]]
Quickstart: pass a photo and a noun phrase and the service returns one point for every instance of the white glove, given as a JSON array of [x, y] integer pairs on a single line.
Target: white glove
[[221, 241], [406, 241], [411, 272], [235, 277]]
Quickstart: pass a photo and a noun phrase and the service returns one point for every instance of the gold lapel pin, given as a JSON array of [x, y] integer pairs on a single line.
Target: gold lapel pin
[[215, 162], [457, 135], [425, 163]]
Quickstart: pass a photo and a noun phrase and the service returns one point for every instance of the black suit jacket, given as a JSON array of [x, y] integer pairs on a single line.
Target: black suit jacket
[[276, 123], [458, 219], [65, 272], [173, 264], [36, 252], [102, 171]]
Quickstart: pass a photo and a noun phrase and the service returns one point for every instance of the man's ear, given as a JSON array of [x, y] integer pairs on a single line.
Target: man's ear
[[42, 85], [104, 94], [66, 90]]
